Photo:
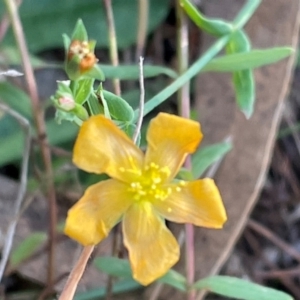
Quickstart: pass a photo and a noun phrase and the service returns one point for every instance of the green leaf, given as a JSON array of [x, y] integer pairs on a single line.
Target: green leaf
[[114, 266], [244, 86], [239, 289], [248, 60], [95, 73], [185, 174], [119, 109], [175, 280], [44, 21], [208, 155], [127, 72], [243, 80], [214, 27], [118, 288], [94, 106], [26, 248], [239, 42], [84, 90], [129, 129], [121, 268]]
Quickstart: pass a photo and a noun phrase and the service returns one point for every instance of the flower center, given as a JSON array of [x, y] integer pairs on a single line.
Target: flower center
[[150, 184]]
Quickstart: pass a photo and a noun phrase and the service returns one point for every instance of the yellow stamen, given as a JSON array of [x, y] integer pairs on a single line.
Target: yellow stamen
[[149, 184]]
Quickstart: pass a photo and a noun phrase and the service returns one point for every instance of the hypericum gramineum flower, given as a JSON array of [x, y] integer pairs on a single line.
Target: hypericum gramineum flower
[[142, 191]]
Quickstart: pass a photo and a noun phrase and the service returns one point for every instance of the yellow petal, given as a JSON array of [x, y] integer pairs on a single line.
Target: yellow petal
[[170, 139], [101, 207], [198, 202], [101, 147], [153, 250]]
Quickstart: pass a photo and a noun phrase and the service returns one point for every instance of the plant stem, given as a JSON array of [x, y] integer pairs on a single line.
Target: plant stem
[[184, 109], [113, 46], [76, 274], [40, 126]]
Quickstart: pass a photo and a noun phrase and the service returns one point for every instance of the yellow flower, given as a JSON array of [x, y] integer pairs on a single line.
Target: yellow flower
[[142, 191]]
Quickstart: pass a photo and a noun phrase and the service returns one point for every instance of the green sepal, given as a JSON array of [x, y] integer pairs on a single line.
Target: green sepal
[[67, 43], [79, 33], [76, 115], [80, 112], [72, 67], [64, 87], [95, 73]]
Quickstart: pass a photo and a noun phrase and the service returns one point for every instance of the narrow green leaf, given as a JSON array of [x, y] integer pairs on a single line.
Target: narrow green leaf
[[208, 155], [126, 72], [64, 88], [175, 280], [118, 288], [185, 174], [119, 109], [243, 80], [113, 266], [239, 289], [239, 42], [129, 129], [245, 13], [67, 43], [214, 27], [84, 90], [244, 86], [95, 73], [248, 60], [117, 267], [26, 248]]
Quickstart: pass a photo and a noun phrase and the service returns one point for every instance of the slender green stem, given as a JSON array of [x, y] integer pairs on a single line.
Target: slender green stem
[[246, 13]]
